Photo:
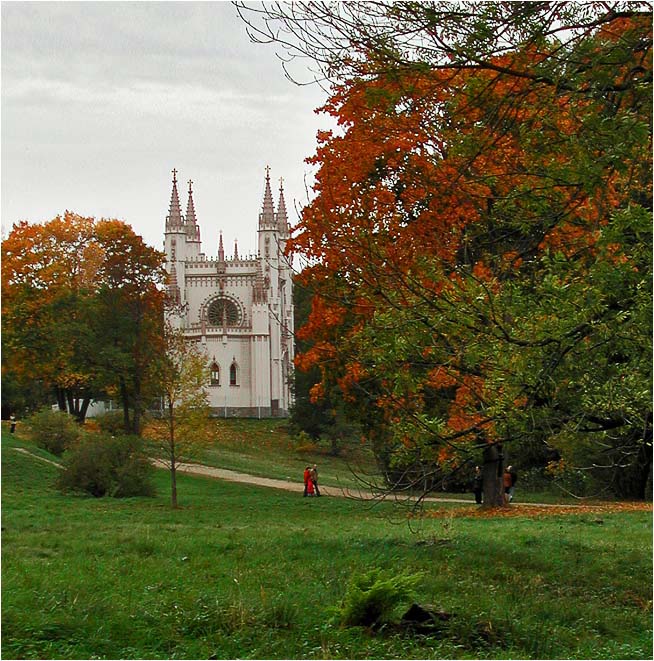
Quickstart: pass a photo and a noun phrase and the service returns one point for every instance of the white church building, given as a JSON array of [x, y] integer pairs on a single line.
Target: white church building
[[240, 309]]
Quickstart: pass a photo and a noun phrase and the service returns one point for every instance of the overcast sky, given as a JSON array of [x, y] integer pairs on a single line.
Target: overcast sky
[[101, 100]]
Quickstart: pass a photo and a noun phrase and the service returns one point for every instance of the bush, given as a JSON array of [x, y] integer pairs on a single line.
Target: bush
[[107, 466], [372, 598], [112, 422], [53, 431]]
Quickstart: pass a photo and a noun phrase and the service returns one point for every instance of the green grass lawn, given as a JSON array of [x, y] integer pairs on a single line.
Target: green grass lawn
[[264, 448], [240, 571]]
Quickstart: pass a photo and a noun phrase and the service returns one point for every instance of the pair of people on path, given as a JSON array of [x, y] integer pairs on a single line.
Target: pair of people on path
[[311, 481], [509, 478]]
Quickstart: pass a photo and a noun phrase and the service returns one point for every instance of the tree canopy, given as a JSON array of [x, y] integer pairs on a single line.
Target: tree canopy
[[480, 239], [82, 311]]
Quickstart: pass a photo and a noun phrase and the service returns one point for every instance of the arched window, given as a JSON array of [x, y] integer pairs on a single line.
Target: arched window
[[215, 374], [233, 374], [223, 312]]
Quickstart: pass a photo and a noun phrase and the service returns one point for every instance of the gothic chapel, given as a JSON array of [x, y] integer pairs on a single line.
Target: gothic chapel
[[240, 309]]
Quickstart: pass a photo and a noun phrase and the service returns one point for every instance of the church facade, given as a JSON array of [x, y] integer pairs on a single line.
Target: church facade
[[239, 309]]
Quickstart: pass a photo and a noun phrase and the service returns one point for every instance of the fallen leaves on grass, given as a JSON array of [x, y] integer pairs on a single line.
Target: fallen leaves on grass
[[532, 511]]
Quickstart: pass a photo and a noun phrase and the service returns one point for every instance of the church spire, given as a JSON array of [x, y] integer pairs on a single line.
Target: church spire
[[173, 286], [267, 215], [174, 220], [282, 218], [235, 249], [221, 249], [192, 228]]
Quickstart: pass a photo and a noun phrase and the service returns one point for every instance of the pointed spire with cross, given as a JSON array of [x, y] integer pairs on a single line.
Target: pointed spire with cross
[[192, 228], [267, 215], [282, 218], [174, 220]]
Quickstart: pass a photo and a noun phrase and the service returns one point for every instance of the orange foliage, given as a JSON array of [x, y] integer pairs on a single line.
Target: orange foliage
[[412, 179]]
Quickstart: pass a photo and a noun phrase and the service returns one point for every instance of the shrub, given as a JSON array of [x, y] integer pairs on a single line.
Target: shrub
[[112, 422], [107, 466], [53, 431], [373, 597]]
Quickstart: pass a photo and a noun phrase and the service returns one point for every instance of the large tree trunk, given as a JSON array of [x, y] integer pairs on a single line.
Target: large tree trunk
[[492, 475]]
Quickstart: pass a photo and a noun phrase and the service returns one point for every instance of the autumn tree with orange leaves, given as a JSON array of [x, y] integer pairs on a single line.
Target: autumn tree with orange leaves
[[480, 239], [82, 311]]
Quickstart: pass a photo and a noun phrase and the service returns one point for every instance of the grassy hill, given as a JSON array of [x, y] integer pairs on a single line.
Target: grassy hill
[[247, 572], [265, 448]]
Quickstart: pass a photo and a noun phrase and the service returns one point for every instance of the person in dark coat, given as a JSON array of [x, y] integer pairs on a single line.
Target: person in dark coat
[[314, 479], [12, 423], [478, 485]]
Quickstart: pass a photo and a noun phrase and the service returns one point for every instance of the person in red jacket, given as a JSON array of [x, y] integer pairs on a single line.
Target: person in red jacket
[[508, 482], [307, 480]]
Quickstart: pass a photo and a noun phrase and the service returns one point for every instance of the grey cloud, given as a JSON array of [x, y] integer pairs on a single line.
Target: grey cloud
[[126, 41]]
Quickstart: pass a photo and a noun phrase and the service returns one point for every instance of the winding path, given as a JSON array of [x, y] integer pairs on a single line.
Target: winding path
[[286, 485], [246, 478]]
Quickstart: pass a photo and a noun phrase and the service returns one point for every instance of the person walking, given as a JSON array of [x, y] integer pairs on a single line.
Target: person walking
[[307, 479], [514, 478], [506, 481], [12, 423], [314, 479], [478, 485], [310, 491]]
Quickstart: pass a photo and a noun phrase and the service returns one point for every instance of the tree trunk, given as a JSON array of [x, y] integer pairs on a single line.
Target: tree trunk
[[136, 420], [61, 399], [81, 416], [647, 451], [492, 475], [173, 458], [71, 401], [648, 483], [173, 481], [125, 399]]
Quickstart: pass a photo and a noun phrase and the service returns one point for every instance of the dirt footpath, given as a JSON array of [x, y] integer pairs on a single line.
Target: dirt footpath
[[523, 509], [233, 476]]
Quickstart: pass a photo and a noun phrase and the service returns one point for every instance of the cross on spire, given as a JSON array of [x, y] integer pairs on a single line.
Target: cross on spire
[[267, 215], [190, 185], [174, 219]]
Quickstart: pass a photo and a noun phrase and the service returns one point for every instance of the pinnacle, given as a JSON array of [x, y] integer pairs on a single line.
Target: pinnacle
[[192, 229], [174, 219], [282, 218], [267, 215]]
